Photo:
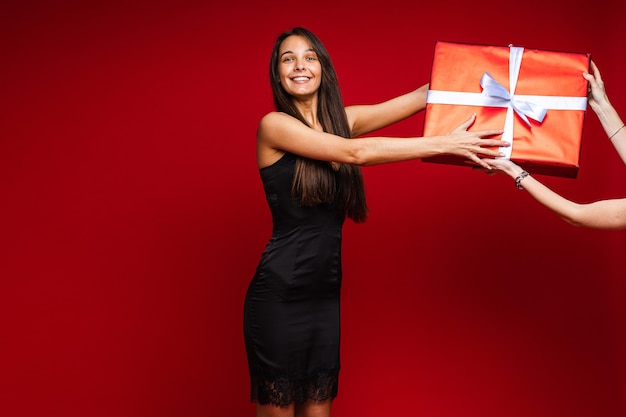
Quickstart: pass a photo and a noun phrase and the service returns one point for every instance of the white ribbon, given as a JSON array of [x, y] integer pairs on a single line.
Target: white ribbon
[[496, 95]]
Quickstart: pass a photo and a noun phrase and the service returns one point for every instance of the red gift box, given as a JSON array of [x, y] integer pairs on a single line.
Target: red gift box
[[538, 97]]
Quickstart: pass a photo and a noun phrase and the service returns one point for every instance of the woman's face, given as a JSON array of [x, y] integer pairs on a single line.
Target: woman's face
[[299, 69]]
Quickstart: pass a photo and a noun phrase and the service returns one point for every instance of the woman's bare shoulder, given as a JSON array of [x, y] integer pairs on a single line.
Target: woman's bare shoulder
[[267, 152], [276, 125], [272, 118]]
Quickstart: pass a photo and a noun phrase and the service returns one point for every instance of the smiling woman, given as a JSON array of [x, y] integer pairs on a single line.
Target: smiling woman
[[299, 69], [310, 168]]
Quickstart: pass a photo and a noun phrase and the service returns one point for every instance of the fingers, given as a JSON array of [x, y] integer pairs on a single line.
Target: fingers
[[590, 78], [491, 142], [482, 133], [593, 81], [498, 163], [496, 166], [595, 71], [477, 145], [490, 171], [594, 78], [488, 132], [475, 159], [487, 152], [495, 142], [466, 124], [480, 146], [505, 166]]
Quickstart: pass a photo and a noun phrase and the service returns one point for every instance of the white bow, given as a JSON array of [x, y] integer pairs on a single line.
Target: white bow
[[524, 108]]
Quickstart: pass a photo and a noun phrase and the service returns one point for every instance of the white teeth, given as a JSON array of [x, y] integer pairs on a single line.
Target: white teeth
[[300, 78]]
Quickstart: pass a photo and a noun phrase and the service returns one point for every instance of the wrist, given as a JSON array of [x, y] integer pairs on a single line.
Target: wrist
[[519, 178], [602, 105], [619, 129], [607, 115], [515, 171]]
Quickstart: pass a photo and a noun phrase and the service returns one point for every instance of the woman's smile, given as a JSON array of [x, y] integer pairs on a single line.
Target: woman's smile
[[299, 68]]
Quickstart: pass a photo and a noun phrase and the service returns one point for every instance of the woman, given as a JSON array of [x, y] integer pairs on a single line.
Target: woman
[[603, 214], [311, 175]]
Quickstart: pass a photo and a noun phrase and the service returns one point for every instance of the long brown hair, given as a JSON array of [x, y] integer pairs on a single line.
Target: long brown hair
[[316, 182]]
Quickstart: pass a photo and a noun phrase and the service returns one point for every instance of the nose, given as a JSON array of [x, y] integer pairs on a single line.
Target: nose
[[300, 64]]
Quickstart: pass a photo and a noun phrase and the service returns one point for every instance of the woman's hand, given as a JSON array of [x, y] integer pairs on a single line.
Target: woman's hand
[[471, 144], [505, 166], [596, 96]]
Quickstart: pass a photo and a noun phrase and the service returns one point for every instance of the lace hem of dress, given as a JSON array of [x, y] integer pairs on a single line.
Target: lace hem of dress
[[284, 390]]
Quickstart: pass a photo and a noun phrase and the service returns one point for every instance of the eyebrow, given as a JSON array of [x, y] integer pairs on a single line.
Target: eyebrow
[[291, 52]]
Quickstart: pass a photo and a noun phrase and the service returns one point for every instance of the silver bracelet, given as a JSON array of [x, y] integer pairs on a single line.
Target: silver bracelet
[[519, 178], [615, 133]]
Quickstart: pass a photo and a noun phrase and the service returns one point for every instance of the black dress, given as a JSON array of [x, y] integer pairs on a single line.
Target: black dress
[[291, 314]]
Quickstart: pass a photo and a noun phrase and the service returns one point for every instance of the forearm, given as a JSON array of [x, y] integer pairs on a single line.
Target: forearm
[[612, 124], [383, 150], [459, 142], [603, 214], [409, 104], [564, 208], [368, 118], [561, 206]]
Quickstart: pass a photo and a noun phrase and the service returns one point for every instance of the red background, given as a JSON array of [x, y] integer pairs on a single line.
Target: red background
[[132, 218]]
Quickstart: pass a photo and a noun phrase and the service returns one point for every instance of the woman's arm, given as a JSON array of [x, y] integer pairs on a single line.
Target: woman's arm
[[603, 214], [599, 102], [279, 133], [368, 118]]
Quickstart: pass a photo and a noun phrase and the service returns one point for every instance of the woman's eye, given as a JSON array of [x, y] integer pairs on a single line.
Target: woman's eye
[[287, 59], [310, 58]]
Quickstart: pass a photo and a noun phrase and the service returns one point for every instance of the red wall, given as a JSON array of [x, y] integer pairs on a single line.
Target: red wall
[[132, 218]]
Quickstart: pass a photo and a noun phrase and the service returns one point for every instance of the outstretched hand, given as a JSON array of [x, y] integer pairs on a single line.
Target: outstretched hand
[[596, 93], [471, 144], [504, 166]]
